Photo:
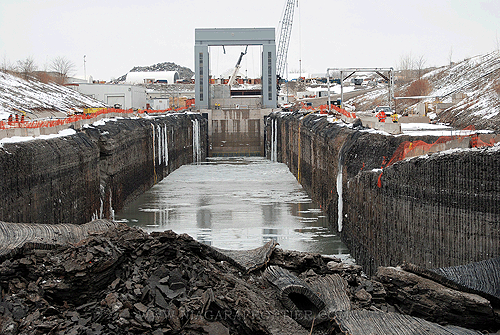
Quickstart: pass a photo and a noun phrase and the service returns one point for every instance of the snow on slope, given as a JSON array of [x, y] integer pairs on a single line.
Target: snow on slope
[[478, 78], [17, 94]]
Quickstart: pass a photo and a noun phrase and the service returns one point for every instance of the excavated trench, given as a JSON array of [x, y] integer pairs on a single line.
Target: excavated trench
[[433, 212]]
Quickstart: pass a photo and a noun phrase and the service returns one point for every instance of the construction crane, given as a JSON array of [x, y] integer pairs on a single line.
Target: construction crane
[[284, 39], [232, 79]]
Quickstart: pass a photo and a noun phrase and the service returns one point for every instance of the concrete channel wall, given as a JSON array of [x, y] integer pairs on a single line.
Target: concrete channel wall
[[433, 211], [91, 174], [236, 132]]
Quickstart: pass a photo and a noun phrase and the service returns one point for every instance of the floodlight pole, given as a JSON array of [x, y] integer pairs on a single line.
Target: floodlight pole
[[328, 84], [341, 89]]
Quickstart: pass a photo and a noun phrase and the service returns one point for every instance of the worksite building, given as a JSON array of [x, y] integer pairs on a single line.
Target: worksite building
[[164, 77], [315, 93], [127, 96], [157, 100]]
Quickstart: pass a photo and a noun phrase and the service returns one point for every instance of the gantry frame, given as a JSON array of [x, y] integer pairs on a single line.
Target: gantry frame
[[351, 71], [234, 37]]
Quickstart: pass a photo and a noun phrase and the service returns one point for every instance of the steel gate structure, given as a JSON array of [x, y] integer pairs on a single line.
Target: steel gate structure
[[234, 37]]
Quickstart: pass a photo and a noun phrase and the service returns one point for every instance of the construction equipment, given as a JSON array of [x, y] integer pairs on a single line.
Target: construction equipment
[[232, 79], [284, 38]]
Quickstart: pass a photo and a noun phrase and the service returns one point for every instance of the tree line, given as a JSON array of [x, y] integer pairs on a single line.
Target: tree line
[[411, 67], [58, 70]]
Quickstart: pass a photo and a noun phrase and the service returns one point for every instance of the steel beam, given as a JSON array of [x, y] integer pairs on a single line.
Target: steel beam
[[353, 70]]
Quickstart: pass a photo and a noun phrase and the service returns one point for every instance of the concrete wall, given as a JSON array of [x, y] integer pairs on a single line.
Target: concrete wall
[[74, 179], [413, 119], [221, 95], [441, 210], [236, 132], [388, 126]]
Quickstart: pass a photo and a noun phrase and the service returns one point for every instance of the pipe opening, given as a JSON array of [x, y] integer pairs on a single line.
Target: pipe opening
[[303, 303]]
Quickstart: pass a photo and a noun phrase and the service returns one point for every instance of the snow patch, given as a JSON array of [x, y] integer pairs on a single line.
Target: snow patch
[[17, 139], [340, 203]]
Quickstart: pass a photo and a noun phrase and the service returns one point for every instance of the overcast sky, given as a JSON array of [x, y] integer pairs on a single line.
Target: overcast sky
[[117, 35]]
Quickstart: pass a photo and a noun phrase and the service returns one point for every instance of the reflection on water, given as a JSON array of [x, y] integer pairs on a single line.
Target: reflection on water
[[235, 203]]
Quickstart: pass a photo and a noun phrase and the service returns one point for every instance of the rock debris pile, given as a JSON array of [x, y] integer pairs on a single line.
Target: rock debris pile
[[184, 72], [125, 281]]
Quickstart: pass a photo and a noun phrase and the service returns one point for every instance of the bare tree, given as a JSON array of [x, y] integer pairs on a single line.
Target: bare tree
[[26, 68], [420, 66], [63, 67], [406, 66], [411, 67], [6, 65]]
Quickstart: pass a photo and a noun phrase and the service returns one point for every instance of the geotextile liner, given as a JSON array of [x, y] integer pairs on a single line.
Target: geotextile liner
[[296, 295], [17, 236], [362, 322], [247, 260], [481, 278]]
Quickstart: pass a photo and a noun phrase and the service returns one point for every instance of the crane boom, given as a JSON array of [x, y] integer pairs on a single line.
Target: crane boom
[[284, 39], [232, 79]]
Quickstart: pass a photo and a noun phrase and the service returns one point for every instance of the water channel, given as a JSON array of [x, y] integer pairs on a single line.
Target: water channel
[[235, 203]]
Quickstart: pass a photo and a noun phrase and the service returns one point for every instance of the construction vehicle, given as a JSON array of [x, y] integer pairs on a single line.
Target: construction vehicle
[[357, 81], [232, 79]]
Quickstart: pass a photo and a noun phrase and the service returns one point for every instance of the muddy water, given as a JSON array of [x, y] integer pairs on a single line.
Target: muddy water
[[237, 203]]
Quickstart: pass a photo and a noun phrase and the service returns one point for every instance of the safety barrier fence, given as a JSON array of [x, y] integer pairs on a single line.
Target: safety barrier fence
[[324, 109], [88, 114], [343, 112], [417, 148]]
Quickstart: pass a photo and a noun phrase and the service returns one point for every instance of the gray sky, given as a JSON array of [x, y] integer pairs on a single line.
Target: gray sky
[[116, 35]]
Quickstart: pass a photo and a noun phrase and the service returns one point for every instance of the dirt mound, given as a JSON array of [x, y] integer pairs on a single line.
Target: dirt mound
[[125, 281]]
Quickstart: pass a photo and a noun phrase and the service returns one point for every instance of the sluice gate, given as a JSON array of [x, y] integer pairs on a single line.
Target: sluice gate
[[236, 132]]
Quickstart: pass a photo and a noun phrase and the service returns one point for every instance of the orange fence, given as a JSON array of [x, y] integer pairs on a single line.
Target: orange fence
[[77, 117], [324, 109], [344, 112], [406, 147]]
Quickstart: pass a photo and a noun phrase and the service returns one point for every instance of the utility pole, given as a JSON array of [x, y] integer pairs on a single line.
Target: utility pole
[[328, 85], [300, 70], [84, 68], [287, 82]]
